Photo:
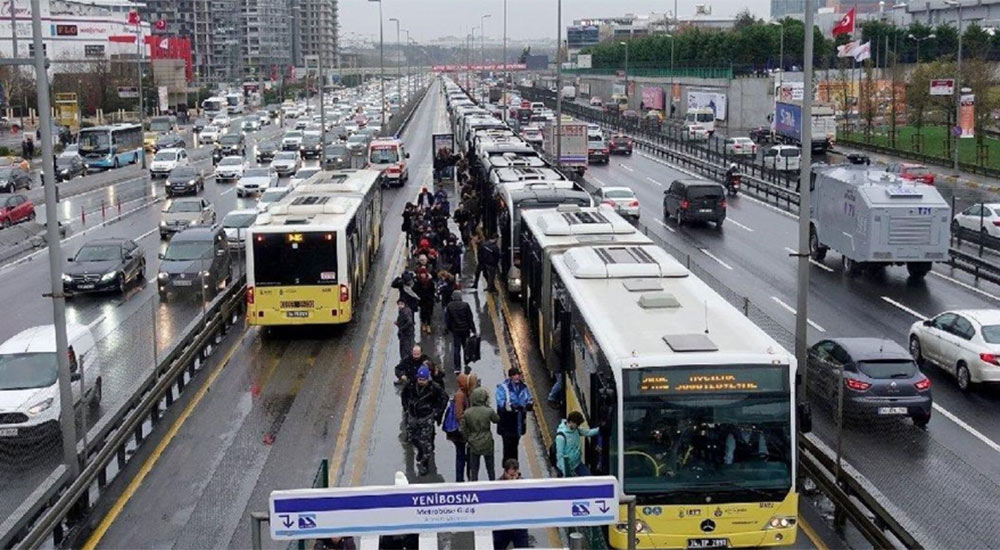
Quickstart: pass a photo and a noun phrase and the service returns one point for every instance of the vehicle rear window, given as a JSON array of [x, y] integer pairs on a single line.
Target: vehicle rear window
[[884, 370], [789, 152], [619, 194], [991, 333], [704, 192], [917, 171], [705, 117], [308, 258]]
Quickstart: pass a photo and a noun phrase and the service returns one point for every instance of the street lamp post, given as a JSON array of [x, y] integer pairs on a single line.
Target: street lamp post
[[918, 40], [138, 61], [381, 58], [805, 170], [781, 52], [399, 76], [409, 77], [482, 40], [506, 74], [626, 71], [958, 82]]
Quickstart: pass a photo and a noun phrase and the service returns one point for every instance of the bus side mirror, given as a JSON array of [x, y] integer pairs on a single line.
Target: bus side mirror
[[805, 418]]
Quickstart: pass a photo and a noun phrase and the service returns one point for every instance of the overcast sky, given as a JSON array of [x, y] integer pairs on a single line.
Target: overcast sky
[[427, 19]]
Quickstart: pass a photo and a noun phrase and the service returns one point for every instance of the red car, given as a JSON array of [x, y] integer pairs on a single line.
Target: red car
[[15, 209], [911, 172], [620, 143]]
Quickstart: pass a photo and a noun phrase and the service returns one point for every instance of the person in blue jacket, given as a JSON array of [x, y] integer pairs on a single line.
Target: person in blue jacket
[[569, 450], [513, 401]]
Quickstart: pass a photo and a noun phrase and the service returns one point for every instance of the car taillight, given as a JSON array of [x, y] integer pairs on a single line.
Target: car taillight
[[685, 205], [634, 203], [345, 293], [723, 204], [605, 150], [990, 358], [923, 385], [249, 295], [996, 223], [856, 385]]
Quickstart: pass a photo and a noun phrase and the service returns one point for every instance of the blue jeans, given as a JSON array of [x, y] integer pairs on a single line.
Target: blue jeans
[[581, 470], [555, 395]]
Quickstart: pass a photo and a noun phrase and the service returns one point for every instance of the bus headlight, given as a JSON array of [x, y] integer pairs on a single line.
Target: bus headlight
[[780, 522], [640, 527]]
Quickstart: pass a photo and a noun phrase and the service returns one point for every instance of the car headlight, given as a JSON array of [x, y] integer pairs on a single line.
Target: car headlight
[[780, 522], [40, 407], [195, 222], [163, 223], [66, 278], [204, 274], [640, 527], [108, 276], [192, 182], [163, 276]]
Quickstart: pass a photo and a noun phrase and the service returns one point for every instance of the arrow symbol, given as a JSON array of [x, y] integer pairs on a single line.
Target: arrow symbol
[[286, 520], [603, 506]]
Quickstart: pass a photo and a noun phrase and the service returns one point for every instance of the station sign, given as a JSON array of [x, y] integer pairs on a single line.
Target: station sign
[[443, 507], [942, 86]]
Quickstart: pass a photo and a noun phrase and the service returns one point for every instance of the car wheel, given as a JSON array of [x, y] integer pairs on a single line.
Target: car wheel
[[915, 350], [122, 283], [141, 274], [851, 267], [10, 188], [6, 223], [963, 377], [116, 163], [97, 393], [816, 250], [163, 297], [679, 218], [921, 420], [31, 217]]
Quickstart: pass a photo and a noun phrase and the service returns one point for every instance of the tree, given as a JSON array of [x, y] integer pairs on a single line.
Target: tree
[[744, 19], [975, 42], [524, 55]]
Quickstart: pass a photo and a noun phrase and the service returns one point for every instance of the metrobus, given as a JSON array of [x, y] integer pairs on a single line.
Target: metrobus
[[214, 106], [105, 147], [311, 253], [234, 103], [696, 403]]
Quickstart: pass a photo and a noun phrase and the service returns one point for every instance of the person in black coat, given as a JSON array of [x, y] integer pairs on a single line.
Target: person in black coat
[[425, 290], [461, 324]]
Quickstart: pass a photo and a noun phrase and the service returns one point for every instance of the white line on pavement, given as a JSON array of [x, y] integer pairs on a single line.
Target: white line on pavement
[[598, 180], [654, 181], [629, 168], [962, 424], [966, 285], [95, 322], [791, 310], [148, 233], [916, 314], [667, 227], [824, 267], [227, 191], [738, 224], [713, 256]]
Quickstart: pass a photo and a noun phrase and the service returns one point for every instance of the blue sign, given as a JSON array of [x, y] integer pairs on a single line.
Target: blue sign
[[788, 120], [401, 509]]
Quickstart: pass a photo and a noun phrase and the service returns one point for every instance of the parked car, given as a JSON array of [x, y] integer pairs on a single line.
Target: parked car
[[596, 102], [68, 167], [165, 160], [336, 157], [266, 151], [196, 260], [880, 379], [105, 264], [13, 178], [911, 172], [256, 180], [230, 168], [978, 219], [695, 199], [179, 214], [622, 199], [740, 147], [235, 224], [785, 158], [965, 343], [171, 140], [620, 143], [270, 196], [15, 209], [183, 180], [286, 163]]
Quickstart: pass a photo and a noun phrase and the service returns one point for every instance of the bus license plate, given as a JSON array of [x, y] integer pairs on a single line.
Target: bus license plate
[[892, 410], [297, 314], [8, 432], [708, 543]]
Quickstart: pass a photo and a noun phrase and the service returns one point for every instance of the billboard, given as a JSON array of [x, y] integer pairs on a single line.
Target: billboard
[[712, 100], [942, 86], [787, 120], [652, 97], [789, 91], [584, 61]]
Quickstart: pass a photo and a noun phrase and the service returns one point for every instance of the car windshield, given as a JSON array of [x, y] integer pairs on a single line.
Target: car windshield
[[23, 371], [6, 172], [257, 173], [357, 138], [595, 142], [917, 171], [165, 155], [99, 253], [95, 142], [183, 206], [293, 134], [159, 125], [201, 122], [902, 368], [704, 192], [231, 139], [185, 251], [705, 117], [231, 162], [272, 195], [336, 151], [384, 155], [285, 156], [239, 219], [619, 194], [267, 146], [991, 333], [184, 172]]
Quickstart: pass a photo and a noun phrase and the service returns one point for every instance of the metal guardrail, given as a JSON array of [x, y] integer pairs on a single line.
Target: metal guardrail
[[922, 157], [53, 509], [979, 267]]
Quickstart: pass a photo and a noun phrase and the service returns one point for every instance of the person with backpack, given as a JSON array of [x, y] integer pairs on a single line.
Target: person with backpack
[[476, 428], [513, 403], [452, 422], [461, 324], [568, 449]]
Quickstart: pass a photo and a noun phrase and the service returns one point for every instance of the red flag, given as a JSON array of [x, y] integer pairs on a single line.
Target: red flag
[[160, 25], [845, 25], [133, 18]]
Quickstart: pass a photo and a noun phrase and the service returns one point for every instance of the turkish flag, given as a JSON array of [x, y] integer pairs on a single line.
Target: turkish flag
[[133, 18], [845, 25], [160, 25]]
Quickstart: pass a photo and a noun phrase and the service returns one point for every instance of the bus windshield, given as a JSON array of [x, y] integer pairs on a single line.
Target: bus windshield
[[289, 259], [697, 432], [95, 142]]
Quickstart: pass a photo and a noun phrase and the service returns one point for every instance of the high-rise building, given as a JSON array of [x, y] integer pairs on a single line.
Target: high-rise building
[[267, 43], [314, 30], [216, 31]]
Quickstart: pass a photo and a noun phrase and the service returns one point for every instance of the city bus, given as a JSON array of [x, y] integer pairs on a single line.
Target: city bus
[[104, 147], [234, 103], [695, 403], [213, 106], [311, 253]]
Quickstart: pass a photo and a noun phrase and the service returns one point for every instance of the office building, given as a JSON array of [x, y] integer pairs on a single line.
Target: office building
[[267, 44], [314, 30], [935, 12]]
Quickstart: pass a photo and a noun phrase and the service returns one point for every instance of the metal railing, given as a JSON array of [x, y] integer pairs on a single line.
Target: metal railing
[[659, 72], [922, 157]]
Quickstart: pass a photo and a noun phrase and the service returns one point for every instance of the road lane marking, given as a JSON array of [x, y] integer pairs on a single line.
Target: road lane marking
[[713, 256], [598, 180], [966, 285], [629, 168], [227, 191], [148, 233], [965, 426], [824, 267], [738, 224], [667, 227], [791, 310], [154, 457], [916, 314], [654, 181], [811, 533]]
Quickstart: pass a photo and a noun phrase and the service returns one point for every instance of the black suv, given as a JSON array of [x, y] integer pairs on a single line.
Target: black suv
[[695, 200], [232, 144], [196, 260], [266, 151], [311, 146]]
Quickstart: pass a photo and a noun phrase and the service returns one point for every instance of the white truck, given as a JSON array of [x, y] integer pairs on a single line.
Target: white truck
[[874, 219], [786, 124], [573, 145]]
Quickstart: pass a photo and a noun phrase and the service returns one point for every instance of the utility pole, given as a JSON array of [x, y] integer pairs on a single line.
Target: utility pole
[[805, 179], [958, 84], [558, 136], [138, 58], [13, 30], [409, 77], [399, 76], [381, 58], [67, 416], [482, 40], [506, 73]]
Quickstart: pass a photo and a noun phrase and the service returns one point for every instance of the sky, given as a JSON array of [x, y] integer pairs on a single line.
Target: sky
[[428, 19]]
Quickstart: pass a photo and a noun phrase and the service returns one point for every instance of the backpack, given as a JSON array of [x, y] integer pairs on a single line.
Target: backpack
[[450, 422], [552, 451]]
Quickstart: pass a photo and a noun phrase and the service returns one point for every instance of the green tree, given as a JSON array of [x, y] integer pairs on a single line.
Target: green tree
[[976, 42], [744, 19]]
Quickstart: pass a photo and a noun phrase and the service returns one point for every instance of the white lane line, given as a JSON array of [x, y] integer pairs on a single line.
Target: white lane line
[[96, 322], [962, 424], [148, 233], [598, 180], [824, 267], [713, 256], [629, 168], [667, 227], [768, 206], [227, 191], [738, 224], [966, 286], [654, 181], [791, 310], [916, 314]]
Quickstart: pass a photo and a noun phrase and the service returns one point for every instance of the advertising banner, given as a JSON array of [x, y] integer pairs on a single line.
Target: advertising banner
[[967, 116], [790, 91], [787, 120], [163, 97], [487, 67], [442, 141], [713, 100], [584, 61], [652, 98], [943, 86]]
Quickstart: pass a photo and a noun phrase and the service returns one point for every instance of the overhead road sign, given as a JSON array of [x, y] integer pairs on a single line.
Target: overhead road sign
[[443, 507]]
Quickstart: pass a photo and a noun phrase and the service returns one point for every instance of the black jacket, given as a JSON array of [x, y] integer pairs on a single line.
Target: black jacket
[[489, 254], [425, 402], [404, 322], [458, 317], [408, 367]]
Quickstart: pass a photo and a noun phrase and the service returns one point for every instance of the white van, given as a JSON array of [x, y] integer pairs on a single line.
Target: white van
[[29, 380], [703, 116], [783, 158]]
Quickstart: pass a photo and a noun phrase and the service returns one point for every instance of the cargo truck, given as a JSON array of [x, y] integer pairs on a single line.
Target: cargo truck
[[573, 151], [786, 125], [874, 219]]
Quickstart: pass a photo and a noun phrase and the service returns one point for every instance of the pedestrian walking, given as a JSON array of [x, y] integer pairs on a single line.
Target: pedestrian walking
[[460, 403], [424, 289], [407, 226], [451, 255], [425, 401], [461, 324], [477, 430], [513, 400], [488, 257], [504, 538], [406, 370], [405, 328], [569, 454]]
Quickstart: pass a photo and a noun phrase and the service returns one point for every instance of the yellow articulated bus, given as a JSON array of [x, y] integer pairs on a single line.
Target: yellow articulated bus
[[695, 403], [310, 254]]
